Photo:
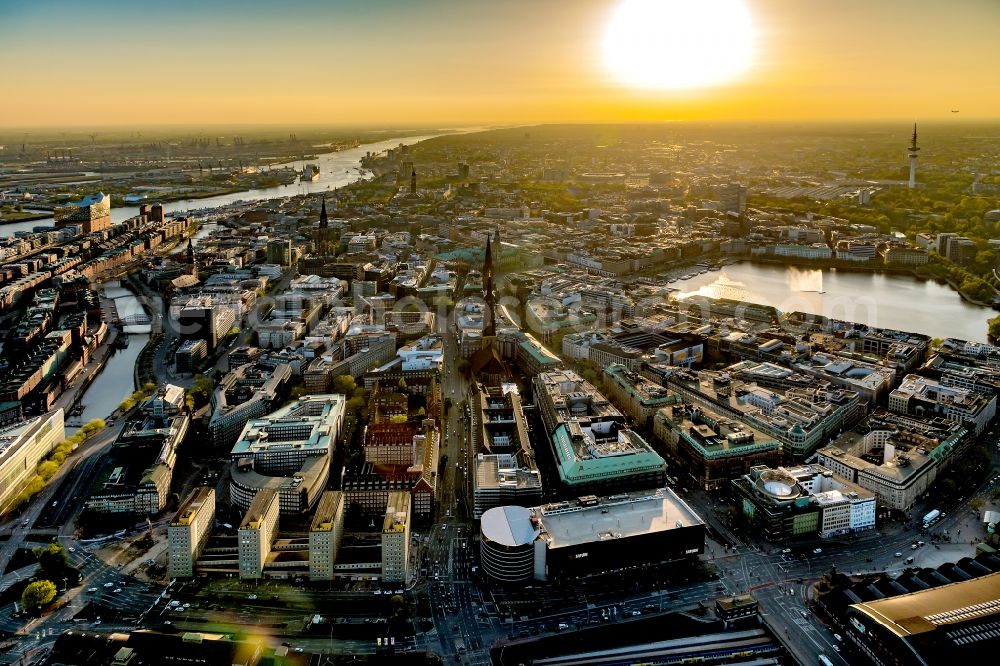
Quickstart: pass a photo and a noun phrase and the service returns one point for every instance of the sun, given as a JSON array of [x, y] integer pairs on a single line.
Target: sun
[[679, 44]]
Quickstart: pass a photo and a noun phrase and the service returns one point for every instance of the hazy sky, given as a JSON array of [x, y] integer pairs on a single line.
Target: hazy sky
[[408, 62]]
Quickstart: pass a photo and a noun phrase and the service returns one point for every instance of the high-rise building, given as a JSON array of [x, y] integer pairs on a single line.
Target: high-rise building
[[325, 533], [256, 533], [188, 532], [279, 251], [396, 538], [733, 198]]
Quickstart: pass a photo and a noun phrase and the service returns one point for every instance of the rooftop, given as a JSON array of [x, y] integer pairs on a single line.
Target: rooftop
[[589, 520], [924, 611], [509, 526], [258, 509], [330, 504]]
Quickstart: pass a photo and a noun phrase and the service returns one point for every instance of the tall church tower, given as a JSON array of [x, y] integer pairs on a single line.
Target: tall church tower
[[192, 267], [413, 182], [324, 220], [489, 294]]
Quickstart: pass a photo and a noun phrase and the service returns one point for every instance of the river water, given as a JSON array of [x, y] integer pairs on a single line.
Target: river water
[[877, 299], [335, 170]]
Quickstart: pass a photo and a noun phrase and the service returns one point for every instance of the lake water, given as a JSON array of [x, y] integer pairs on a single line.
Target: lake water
[[876, 299]]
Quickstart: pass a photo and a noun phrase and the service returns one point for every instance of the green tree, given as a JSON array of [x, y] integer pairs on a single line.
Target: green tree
[[994, 328], [402, 384], [53, 561], [344, 384], [38, 595], [201, 390], [397, 418]]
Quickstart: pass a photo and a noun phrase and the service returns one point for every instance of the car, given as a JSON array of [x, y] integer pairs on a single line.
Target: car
[[117, 590], [817, 551], [167, 622], [299, 649], [92, 589], [187, 605], [72, 549], [839, 637], [97, 621], [914, 547], [786, 551], [252, 597], [898, 554], [109, 585], [175, 603]]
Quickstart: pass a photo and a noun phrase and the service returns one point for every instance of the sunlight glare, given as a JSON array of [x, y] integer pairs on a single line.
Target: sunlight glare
[[678, 44]]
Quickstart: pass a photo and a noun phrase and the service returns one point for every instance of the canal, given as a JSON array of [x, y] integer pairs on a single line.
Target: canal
[[877, 299], [116, 381]]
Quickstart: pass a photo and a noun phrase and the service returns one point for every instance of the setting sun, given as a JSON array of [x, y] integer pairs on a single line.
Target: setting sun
[[679, 44]]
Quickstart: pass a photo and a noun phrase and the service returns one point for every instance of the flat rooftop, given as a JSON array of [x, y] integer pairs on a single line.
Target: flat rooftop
[[192, 505], [258, 508], [616, 517], [327, 508]]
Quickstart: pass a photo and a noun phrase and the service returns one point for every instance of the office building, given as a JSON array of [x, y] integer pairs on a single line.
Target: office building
[[636, 396], [713, 448], [256, 534], [188, 532], [249, 391], [594, 449], [279, 251], [288, 452], [396, 539], [325, 534], [190, 356], [503, 479], [895, 456], [22, 446], [589, 536], [925, 397], [807, 500]]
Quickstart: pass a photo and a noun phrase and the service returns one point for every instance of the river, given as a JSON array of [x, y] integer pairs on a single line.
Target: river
[[116, 381], [336, 169], [877, 299]]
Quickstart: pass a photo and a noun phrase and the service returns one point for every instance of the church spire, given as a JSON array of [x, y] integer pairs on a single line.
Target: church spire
[[324, 221], [488, 294]]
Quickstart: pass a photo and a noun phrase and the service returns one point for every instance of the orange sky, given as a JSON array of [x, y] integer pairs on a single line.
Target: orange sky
[[408, 62]]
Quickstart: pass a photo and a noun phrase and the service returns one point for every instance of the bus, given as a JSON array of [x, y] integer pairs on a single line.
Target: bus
[[824, 660]]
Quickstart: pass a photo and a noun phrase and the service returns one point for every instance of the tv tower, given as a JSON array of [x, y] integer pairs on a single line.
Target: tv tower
[[913, 158]]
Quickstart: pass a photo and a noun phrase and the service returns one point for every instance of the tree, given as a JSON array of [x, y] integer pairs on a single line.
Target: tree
[[402, 384], [52, 561], [201, 391], [344, 384], [38, 595], [397, 418]]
